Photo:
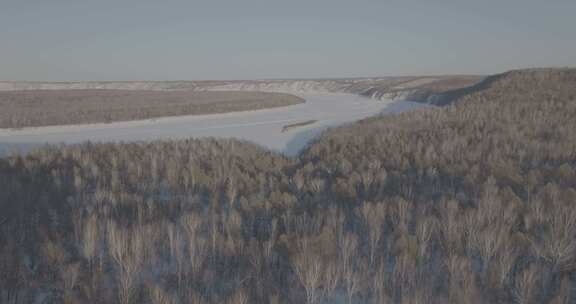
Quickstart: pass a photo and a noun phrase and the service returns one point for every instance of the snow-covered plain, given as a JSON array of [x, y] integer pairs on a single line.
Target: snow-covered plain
[[263, 127]]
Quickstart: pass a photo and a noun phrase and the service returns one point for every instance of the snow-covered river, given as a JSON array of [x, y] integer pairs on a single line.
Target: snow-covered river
[[264, 127]]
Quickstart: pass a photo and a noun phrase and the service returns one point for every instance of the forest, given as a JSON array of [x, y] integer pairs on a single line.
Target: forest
[[473, 202], [36, 108]]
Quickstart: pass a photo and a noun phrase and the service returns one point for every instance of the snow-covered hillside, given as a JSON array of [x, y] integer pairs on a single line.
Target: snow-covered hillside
[[420, 89], [285, 86]]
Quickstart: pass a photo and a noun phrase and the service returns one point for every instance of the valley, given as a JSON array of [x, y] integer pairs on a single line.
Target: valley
[[263, 127]]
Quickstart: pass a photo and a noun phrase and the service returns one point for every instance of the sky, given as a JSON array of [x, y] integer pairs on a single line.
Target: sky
[[66, 40]]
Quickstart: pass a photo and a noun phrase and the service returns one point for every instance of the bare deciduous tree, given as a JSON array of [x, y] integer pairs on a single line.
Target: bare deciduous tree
[[332, 277], [90, 238], [374, 215], [125, 248], [308, 267], [557, 243]]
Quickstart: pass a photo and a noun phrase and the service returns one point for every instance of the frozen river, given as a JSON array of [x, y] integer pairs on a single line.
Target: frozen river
[[264, 127]]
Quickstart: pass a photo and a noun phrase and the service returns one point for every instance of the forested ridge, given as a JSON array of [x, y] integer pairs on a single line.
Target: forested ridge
[[469, 203]]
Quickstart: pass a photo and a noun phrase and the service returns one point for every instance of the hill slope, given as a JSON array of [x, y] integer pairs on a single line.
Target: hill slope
[[427, 89], [470, 203]]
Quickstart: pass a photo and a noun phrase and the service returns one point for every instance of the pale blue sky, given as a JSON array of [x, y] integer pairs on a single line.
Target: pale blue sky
[[171, 40]]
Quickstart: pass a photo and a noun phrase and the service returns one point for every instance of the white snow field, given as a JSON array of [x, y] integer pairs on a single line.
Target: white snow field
[[263, 127]]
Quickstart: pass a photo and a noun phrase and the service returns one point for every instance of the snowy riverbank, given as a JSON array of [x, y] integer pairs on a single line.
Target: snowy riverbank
[[263, 127]]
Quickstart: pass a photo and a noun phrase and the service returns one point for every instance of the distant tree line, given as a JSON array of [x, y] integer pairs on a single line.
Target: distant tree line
[[470, 203], [35, 108]]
